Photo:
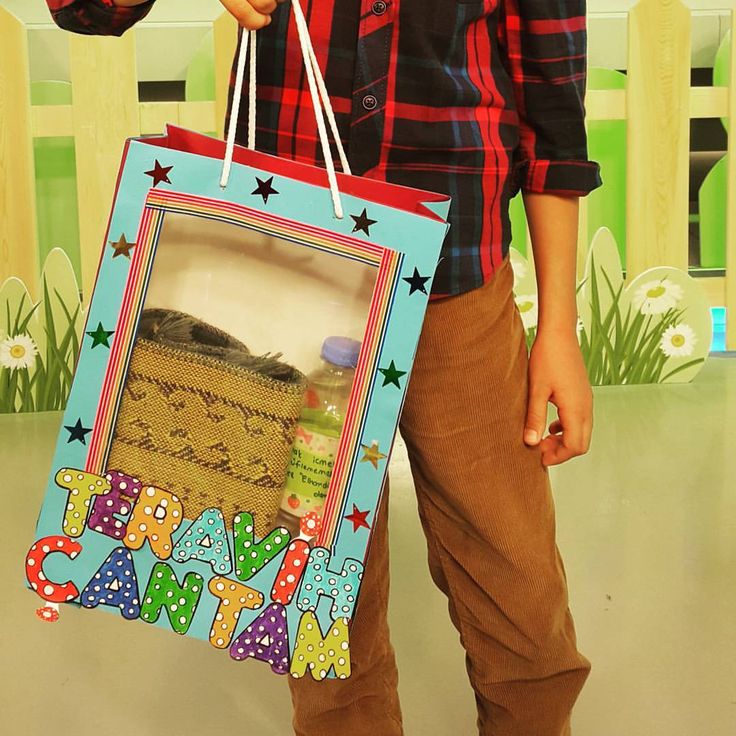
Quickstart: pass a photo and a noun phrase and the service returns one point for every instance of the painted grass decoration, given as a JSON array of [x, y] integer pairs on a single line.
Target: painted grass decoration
[[39, 342], [657, 329], [627, 349]]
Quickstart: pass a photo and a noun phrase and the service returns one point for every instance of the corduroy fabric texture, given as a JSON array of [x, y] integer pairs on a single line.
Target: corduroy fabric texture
[[215, 434], [487, 512]]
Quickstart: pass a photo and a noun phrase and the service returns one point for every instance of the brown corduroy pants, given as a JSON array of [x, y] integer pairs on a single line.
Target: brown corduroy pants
[[486, 508]]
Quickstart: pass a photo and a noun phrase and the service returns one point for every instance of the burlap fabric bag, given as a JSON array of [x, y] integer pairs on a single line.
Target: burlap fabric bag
[[205, 419]]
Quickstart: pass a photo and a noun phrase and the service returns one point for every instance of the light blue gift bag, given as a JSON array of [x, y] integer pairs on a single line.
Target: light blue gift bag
[[257, 260]]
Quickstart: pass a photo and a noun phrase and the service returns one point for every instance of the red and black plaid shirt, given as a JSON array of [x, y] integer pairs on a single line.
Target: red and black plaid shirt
[[472, 98]]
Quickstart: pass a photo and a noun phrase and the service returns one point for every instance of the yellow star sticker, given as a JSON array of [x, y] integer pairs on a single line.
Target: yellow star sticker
[[372, 454], [122, 247]]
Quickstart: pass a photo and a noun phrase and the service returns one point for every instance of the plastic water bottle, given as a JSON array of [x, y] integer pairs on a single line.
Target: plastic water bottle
[[320, 425]]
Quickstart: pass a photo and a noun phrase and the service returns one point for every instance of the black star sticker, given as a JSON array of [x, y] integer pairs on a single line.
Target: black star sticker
[[159, 173], [391, 375], [265, 189], [77, 432], [362, 222], [416, 282], [100, 336]]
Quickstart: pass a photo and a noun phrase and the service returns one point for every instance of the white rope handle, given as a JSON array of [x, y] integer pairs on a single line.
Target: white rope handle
[[252, 92], [301, 26], [320, 102], [235, 109], [325, 98]]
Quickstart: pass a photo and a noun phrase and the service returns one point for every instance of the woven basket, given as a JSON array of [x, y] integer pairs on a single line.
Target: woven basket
[[215, 433]]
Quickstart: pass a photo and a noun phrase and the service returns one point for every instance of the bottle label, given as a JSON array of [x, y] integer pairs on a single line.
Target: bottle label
[[308, 474]]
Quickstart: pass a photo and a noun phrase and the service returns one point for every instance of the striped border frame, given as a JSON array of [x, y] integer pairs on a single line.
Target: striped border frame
[[387, 262]]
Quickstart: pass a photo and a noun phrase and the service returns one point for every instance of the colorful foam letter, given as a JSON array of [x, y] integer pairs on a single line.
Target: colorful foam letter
[[81, 487], [47, 589], [206, 540], [179, 600], [234, 597], [265, 639], [316, 653], [157, 514], [114, 584], [123, 493], [318, 580], [290, 572], [252, 556]]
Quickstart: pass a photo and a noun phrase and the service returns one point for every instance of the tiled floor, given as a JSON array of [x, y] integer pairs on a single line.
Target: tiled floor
[[647, 527]]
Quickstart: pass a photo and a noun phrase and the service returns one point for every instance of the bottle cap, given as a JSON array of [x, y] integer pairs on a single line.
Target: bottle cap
[[342, 351]]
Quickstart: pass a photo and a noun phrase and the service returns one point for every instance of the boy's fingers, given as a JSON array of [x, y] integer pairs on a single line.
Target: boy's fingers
[[572, 436], [577, 429], [264, 6], [536, 416], [566, 441], [246, 15], [550, 445], [555, 452]]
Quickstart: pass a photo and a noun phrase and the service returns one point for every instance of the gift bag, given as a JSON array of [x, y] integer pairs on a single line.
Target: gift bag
[[246, 354]]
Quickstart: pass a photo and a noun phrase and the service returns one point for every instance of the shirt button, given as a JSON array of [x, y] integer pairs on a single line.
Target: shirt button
[[378, 8], [369, 102]]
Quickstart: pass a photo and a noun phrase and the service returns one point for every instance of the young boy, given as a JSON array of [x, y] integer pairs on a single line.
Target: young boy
[[477, 99]]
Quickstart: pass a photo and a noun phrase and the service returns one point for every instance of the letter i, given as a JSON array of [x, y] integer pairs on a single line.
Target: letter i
[[290, 573]]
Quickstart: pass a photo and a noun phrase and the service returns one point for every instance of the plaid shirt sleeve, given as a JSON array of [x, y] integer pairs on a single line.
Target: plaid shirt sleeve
[[546, 44], [96, 17]]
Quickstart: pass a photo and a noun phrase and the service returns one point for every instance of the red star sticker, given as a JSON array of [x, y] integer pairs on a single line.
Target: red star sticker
[[358, 518], [159, 173]]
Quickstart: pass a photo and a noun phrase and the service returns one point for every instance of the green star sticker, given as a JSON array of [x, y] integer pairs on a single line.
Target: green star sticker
[[100, 336], [391, 375]]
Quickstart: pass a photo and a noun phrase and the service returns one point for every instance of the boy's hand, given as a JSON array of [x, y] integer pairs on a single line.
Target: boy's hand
[[251, 14], [557, 374]]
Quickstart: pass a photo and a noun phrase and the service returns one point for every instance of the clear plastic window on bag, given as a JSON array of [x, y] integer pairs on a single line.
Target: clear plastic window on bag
[[241, 371]]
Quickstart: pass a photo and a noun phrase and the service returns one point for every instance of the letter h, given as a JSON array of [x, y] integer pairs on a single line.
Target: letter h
[[341, 586]]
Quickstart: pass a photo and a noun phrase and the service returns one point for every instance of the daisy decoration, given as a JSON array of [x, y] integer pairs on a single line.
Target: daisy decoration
[[656, 297], [18, 352], [678, 340]]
